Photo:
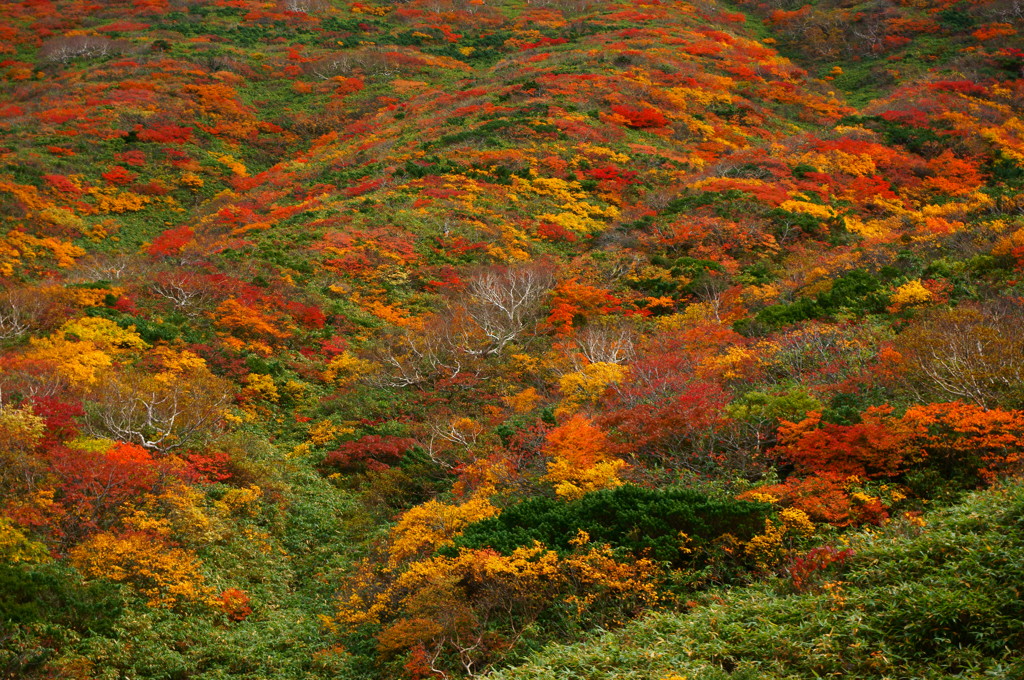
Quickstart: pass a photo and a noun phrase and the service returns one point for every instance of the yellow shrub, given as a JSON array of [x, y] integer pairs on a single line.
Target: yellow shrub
[[163, 574]]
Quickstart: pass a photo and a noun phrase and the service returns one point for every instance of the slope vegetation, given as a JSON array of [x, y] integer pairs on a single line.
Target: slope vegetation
[[400, 339], [921, 600]]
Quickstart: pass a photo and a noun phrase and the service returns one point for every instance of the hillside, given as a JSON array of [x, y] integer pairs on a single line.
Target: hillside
[[401, 339], [921, 600]]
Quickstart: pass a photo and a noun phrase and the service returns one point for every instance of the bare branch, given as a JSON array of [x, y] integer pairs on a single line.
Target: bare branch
[[161, 413], [503, 302]]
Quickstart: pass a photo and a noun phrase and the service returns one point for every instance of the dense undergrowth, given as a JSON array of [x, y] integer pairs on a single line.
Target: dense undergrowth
[[935, 599], [402, 339]]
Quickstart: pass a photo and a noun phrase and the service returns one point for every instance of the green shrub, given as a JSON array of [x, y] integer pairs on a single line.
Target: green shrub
[[939, 601], [631, 518], [54, 594]]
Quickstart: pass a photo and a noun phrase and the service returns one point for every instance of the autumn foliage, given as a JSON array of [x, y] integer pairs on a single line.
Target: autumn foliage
[[378, 340]]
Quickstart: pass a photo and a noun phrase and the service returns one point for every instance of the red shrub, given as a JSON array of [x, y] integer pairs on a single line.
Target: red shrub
[[119, 175], [235, 603], [372, 452], [640, 116], [171, 241], [806, 567]]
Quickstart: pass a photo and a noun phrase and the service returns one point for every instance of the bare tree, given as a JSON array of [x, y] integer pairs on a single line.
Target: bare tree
[[21, 311], [370, 61], [449, 440], [161, 413], [103, 267], [605, 343], [410, 357], [503, 302], [184, 289], [1009, 11], [973, 353], [303, 6], [711, 288], [67, 48], [499, 305]]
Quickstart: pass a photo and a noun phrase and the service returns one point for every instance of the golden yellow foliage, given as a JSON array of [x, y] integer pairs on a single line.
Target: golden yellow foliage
[[103, 333], [20, 429], [870, 229], [346, 368], [572, 482], [587, 385], [261, 386], [110, 200], [839, 162], [1009, 243], [910, 294], [373, 10], [234, 165], [189, 521], [141, 520], [16, 547], [523, 401], [326, 432], [434, 524], [823, 212], [446, 597], [769, 549], [76, 362], [85, 297], [735, 363], [574, 211], [191, 180], [63, 217], [17, 248], [166, 576], [241, 502], [175, 363]]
